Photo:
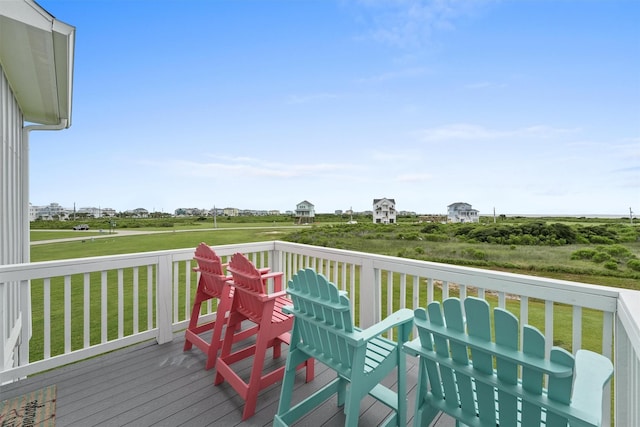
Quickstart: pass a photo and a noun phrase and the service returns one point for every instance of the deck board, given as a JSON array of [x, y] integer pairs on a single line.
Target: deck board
[[160, 385]]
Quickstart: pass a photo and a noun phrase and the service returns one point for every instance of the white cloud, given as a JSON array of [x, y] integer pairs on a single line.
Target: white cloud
[[411, 23]]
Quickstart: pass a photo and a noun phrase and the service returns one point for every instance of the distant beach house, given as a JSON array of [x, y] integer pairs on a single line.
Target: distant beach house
[[305, 212], [138, 213], [384, 211], [462, 212]]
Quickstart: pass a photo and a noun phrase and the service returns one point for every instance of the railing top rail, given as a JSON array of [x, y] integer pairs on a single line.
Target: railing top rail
[[42, 269], [591, 296], [629, 315], [583, 294]]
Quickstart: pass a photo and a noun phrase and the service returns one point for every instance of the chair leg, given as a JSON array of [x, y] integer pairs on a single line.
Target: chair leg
[[227, 342], [342, 391], [424, 413], [401, 409], [286, 390], [256, 377], [221, 320], [352, 407], [310, 369], [277, 348], [193, 322]]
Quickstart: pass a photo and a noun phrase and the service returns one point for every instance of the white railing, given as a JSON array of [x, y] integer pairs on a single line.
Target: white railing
[[84, 307]]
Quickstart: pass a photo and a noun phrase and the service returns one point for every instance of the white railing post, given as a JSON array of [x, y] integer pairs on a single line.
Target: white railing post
[[164, 287], [627, 359], [369, 290], [276, 263]]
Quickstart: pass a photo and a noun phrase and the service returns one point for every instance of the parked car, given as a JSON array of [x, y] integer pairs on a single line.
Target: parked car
[[81, 227]]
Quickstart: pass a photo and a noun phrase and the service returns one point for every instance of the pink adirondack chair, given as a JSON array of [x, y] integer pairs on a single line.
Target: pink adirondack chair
[[211, 285], [251, 302]]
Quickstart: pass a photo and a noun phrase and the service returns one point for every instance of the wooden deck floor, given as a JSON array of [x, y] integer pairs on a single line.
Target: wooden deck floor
[[160, 385]]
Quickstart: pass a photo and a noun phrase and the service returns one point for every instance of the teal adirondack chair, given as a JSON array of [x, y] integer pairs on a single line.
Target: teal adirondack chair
[[457, 357], [323, 329]]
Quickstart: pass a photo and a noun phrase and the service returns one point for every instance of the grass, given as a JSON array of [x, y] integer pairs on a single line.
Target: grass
[[40, 235], [149, 242]]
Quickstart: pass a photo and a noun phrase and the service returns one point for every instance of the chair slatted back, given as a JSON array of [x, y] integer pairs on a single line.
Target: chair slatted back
[[211, 272], [323, 316], [250, 286], [444, 329]]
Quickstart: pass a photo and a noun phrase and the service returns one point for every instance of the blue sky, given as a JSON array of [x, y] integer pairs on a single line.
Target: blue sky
[[528, 107]]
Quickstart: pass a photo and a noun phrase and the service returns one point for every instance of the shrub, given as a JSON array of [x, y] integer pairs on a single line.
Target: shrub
[[475, 254], [601, 257], [634, 264], [617, 251], [611, 265], [431, 228], [584, 254]]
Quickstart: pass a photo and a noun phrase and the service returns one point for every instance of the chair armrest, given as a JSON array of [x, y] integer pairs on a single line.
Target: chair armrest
[[397, 318], [592, 372], [277, 279], [268, 275], [272, 296]]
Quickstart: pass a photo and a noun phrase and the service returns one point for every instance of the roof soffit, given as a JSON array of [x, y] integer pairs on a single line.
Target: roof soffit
[[36, 54]]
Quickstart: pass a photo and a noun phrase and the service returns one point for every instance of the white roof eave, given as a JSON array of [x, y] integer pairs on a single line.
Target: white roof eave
[[36, 54]]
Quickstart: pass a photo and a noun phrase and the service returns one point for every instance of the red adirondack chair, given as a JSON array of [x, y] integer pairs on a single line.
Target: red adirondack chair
[[252, 302], [211, 285]]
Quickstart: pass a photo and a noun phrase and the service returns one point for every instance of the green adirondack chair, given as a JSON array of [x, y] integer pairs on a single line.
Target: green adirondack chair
[[457, 356], [323, 329]]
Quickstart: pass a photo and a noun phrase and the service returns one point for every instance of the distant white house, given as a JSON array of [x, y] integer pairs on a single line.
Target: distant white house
[[462, 212], [138, 213], [384, 211], [231, 211], [305, 212], [97, 212], [51, 211]]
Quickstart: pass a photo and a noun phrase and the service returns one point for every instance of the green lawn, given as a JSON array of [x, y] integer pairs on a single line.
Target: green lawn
[[115, 245]]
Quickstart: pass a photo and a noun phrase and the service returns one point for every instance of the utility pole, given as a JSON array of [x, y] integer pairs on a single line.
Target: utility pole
[[215, 214], [630, 216]]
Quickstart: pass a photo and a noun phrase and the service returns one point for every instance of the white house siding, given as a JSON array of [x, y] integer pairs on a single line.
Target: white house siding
[[384, 211], [14, 214], [13, 209], [462, 212]]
